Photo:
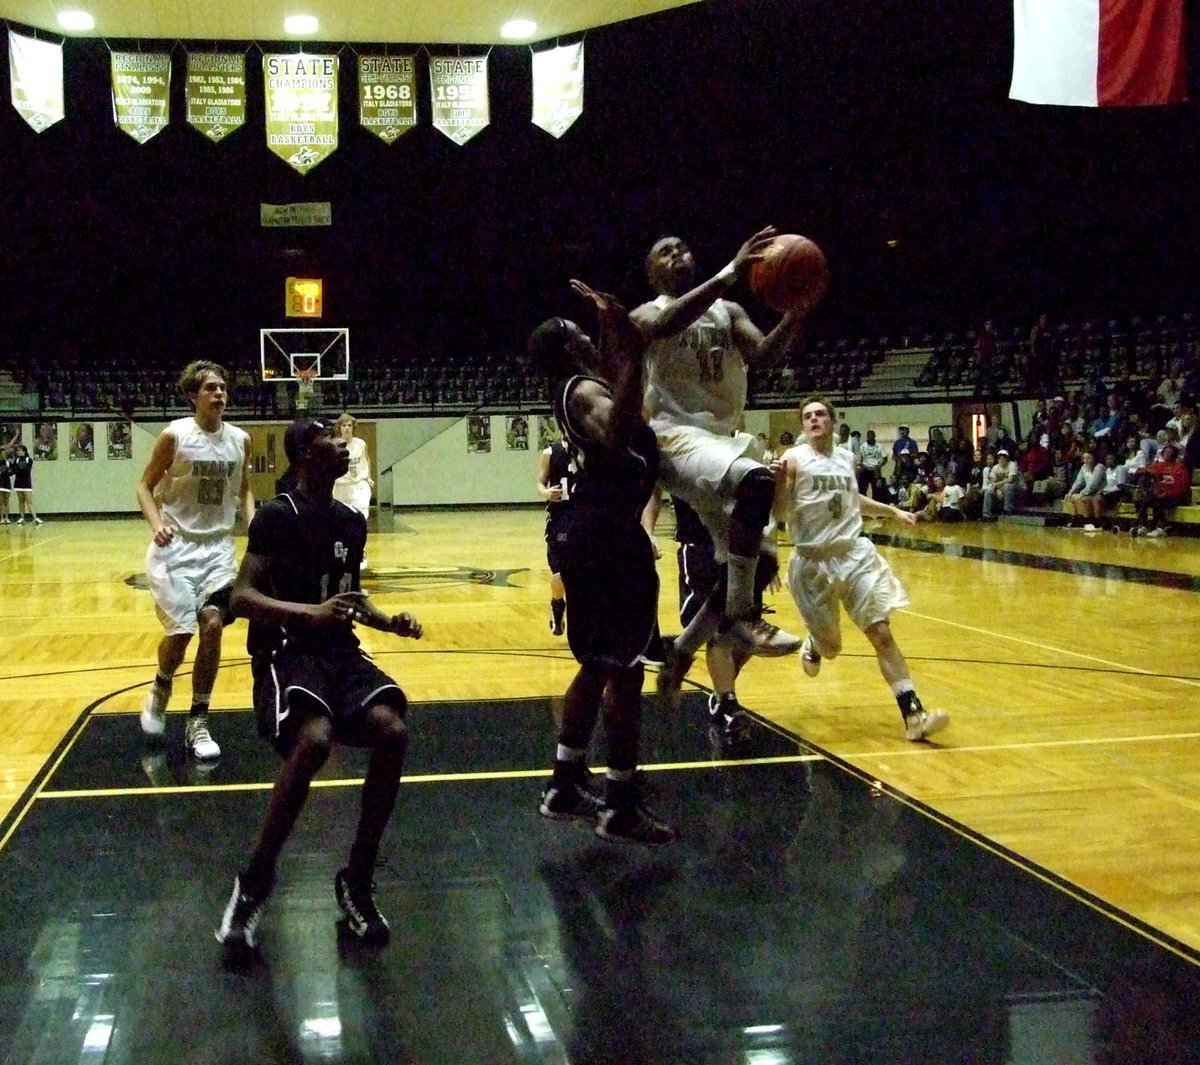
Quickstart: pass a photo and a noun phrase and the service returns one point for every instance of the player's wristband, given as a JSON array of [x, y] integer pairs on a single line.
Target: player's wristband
[[728, 274]]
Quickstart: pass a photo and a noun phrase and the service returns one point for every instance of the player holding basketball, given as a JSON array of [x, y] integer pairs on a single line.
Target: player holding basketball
[[607, 564], [832, 562], [196, 482], [313, 685], [699, 346]]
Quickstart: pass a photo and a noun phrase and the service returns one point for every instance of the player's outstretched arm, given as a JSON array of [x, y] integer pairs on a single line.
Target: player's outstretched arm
[[872, 508]]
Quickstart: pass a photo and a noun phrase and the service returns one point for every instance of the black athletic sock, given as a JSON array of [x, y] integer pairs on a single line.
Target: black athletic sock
[[558, 607], [908, 703]]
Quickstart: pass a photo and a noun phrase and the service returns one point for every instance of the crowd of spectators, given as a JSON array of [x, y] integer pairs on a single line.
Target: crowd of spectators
[[1082, 454]]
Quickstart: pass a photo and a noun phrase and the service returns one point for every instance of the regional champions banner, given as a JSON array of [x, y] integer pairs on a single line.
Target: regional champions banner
[[36, 74], [301, 105], [387, 95], [459, 89], [558, 88], [216, 92], [141, 93]]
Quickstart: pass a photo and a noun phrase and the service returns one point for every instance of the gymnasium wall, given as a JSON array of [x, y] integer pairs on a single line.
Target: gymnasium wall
[[418, 461]]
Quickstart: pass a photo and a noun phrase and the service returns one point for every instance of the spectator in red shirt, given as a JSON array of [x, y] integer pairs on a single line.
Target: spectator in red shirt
[[1169, 485]]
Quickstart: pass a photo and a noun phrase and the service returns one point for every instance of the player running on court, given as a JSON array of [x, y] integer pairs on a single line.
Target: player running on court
[[191, 491], [834, 565]]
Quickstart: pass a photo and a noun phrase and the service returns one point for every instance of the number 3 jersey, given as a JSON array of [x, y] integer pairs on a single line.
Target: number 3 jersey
[[200, 492], [823, 514], [697, 377]]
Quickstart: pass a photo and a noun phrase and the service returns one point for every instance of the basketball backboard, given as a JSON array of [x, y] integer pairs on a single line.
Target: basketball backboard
[[310, 354]]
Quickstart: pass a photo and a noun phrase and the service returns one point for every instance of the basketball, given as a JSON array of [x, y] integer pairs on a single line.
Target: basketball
[[791, 275]]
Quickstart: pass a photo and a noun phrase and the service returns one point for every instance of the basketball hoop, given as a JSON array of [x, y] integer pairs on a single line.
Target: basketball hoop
[[304, 392]]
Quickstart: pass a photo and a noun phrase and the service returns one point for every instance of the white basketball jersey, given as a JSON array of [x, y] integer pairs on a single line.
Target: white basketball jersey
[[823, 512], [200, 491], [697, 377], [358, 471]]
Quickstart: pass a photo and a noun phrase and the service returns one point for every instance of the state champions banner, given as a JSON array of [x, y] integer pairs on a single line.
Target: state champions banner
[[302, 107], [387, 95], [216, 92], [558, 88], [36, 75], [141, 93], [458, 87]]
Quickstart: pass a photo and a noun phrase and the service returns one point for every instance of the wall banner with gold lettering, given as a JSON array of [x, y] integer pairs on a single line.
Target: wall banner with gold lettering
[[459, 87], [558, 88], [36, 72], [302, 112], [216, 92], [387, 95], [141, 92]]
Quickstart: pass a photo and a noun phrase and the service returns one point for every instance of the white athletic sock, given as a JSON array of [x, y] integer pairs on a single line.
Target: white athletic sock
[[568, 754]]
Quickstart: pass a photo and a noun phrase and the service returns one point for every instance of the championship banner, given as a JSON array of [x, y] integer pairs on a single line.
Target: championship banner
[[141, 92], [302, 114], [216, 92], [387, 95], [558, 88], [459, 87], [36, 72]]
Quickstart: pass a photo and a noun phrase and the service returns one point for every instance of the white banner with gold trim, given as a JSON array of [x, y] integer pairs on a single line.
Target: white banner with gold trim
[[141, 93], [387, 95], [458, 86], [558, 88], [302, 107], [36, 73], [216, 92]]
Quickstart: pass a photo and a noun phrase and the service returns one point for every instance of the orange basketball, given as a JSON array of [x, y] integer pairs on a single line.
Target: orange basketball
[[791, 275]]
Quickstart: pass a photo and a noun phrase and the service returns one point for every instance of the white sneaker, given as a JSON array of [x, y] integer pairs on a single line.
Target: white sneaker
[[38, 521], [363, 564], [1089, 527], [154, 711], [198, 739], [809, 659], [1157, 532], [762, 638], [922, 723]]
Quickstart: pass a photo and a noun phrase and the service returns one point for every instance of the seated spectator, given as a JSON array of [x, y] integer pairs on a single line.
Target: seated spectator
[[1169, 485], [1082, 502], [1115, 478], [953, 497], [1036, 467], [1002, 486]]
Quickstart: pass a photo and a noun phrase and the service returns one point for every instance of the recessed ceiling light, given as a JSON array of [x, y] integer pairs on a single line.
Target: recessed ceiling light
[[79, 21], [518, 29], [300, 24]]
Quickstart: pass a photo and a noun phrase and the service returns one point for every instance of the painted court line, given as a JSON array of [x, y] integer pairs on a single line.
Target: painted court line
[[424, 778], [1138, 670], [1101, 741]]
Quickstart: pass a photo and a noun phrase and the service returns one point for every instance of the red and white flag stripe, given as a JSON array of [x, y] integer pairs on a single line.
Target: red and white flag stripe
[[1098, 53]]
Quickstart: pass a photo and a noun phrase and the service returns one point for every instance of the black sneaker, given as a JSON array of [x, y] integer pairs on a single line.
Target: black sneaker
[[675, 667], [634, 824], [562, 801], [357, 902], [725, 714], [239, 924]]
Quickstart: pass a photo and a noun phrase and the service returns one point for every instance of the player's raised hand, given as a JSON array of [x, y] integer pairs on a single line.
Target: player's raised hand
[[753, 249]]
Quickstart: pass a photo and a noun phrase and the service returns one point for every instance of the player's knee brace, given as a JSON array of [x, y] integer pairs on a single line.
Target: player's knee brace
[[755, 494]]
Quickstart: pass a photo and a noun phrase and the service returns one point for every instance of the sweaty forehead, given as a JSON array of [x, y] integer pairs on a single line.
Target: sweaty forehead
[[666, 244]]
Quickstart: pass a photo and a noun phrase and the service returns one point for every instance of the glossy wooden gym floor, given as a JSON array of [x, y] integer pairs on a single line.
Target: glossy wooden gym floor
[[1024, 889]]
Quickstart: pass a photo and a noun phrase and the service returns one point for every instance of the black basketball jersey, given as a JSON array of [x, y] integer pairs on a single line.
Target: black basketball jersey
[[313, 551], [563, 471], [611, 480]]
